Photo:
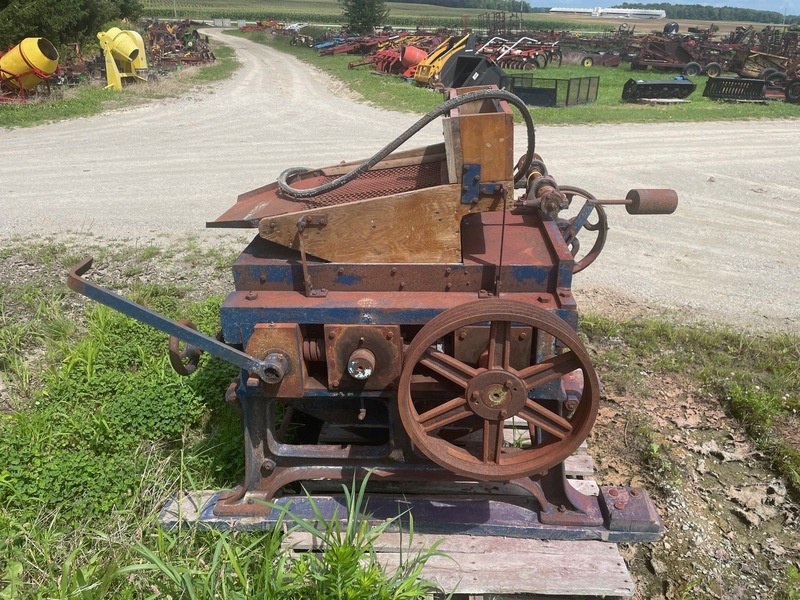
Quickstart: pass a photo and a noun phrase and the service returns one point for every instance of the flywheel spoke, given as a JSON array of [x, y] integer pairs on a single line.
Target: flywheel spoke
[[546, 420], [492, 441], [500, 345], [550, 369], [448, 367], [445, 414]]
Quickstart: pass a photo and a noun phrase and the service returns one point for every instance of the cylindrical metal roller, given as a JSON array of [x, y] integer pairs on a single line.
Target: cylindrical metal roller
[[651, 202]]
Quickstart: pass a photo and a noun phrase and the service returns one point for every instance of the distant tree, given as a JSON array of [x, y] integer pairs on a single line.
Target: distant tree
[[363, 16], [60, 21]]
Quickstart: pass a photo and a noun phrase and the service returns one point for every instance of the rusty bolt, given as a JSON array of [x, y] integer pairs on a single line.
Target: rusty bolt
[[571, 404], [272, 224], [262, 279], [448, 286], [448, 270], [464, 188], [619, 505], [267, 466], [402, 284], [508, 384], [331, 335], [389, 335], [504, 413], [475, 396], [522, 336], [393, 271], [613, 492], [335, 384], [634, 493], [543, 299], [562, 509], [251, 296], [462, 335], [476, 179], [250, 501], [340, 271], [498, 187], [308, 219]]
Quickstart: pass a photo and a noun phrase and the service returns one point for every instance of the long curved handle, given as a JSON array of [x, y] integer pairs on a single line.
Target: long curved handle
[[77, 283]]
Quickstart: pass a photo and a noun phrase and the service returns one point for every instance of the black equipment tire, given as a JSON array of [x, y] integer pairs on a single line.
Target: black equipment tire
[[692, 69], [776, 79], [713, 69], [766, 73], [671, 28], [793, 91]]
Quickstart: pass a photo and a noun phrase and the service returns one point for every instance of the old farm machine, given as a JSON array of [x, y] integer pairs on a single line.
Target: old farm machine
[[393, 317]]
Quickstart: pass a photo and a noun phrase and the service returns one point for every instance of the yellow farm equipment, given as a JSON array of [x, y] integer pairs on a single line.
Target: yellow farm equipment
[[125, 56], [27, 64]]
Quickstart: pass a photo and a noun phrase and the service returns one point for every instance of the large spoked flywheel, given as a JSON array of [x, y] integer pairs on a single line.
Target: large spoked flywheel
[[476, 396]]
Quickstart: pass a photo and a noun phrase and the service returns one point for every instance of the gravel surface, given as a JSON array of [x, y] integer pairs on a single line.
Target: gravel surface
[[154, 172]]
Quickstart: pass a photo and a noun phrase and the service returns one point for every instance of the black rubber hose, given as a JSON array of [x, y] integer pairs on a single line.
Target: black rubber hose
[[293, 193]]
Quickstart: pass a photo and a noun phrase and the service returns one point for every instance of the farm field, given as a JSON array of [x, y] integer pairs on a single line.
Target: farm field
[[407, 15]]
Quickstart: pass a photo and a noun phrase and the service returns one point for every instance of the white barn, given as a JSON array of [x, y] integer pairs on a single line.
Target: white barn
[[612, 13]]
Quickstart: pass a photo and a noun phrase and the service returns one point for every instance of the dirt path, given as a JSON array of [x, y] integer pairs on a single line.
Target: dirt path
[[728, 254]]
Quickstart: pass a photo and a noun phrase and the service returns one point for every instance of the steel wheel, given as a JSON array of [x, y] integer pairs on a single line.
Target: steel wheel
[[600, 227], [481, 396], [713, 70]]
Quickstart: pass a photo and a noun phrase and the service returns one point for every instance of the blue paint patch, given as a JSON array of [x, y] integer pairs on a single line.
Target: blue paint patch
[[526, 273], [349, 279]]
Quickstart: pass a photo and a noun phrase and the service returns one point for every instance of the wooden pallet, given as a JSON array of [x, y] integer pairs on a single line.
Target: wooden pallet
[[481, 566]]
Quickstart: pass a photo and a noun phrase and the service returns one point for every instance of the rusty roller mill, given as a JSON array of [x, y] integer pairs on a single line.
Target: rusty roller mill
[[409, 319]]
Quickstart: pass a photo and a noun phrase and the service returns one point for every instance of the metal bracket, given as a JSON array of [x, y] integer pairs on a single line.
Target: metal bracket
[[472, 188], [302, 223]]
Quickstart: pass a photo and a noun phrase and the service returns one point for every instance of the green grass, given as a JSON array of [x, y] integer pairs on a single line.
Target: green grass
[[102, 432]]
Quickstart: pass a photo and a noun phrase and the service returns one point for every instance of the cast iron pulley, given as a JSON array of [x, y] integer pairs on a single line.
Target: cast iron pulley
[[183, 357], [482, 395], [583, 220]]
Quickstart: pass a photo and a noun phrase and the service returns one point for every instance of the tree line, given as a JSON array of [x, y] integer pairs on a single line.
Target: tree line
[[61, 21], [702, 12]]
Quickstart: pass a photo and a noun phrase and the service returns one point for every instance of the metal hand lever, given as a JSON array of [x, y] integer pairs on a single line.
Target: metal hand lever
[[127, 307]]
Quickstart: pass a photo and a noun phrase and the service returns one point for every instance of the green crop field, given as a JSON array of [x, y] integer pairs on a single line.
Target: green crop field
[[330, 12]]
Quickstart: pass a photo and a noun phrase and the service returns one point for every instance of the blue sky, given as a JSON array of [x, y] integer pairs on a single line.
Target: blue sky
[[791, 7]]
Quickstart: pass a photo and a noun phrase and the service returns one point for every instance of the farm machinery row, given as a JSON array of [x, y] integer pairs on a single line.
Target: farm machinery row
[[410, 319], [125, 55]]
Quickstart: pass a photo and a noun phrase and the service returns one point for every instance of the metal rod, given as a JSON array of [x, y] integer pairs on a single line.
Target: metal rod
[[127, 307]]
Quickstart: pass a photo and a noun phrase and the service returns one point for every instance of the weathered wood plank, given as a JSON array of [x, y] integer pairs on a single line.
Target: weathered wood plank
[[418, 226], [579, 465], [500, 565]]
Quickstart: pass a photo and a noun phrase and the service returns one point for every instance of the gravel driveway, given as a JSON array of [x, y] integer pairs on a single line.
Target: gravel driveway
[[729, 253]]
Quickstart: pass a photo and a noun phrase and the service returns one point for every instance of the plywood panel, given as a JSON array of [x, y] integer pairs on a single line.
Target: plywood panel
[[416, 226]]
